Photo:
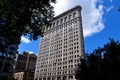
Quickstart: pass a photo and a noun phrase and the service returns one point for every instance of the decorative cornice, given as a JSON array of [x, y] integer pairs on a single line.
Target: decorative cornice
[[66, 12]]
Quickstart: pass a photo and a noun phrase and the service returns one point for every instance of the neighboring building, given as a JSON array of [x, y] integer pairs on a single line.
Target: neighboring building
[[24, 75], [61, 47], [19, 75], [7, 59], [25, 66]]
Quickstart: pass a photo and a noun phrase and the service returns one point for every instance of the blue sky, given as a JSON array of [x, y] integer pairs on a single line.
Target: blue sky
[[100, 19]]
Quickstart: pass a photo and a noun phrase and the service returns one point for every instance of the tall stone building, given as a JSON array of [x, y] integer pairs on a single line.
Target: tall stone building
[[61, 47]]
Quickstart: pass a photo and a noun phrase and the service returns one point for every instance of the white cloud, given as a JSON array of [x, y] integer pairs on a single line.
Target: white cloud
[[25, 40], [109, 9], [92, 13], [110, 0], [30, 52]]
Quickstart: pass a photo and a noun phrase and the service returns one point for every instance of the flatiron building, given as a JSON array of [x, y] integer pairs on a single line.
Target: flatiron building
[[61, 47]]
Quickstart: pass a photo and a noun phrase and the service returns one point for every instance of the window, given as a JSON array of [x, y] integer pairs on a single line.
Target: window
[[77, 47], [61, 21], [74, 14], [75, 56], [9, 55], [75, 61], [65, 72], [12, 56], [69, 72], [57, 22], [70, 17], [71, 66], [0, 53], [65, 19], [4, 54], [54, 24]]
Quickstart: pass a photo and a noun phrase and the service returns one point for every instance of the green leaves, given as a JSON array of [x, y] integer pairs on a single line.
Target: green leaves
[[24, 16], [102, 64]]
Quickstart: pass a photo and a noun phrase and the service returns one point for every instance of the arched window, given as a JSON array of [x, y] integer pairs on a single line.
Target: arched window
[[74, 14], [70, 17], [65, 19], [61, 21]]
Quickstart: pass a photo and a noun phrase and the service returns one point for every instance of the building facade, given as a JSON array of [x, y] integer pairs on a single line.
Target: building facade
[[7, 59], [25, 66], [61, 47]]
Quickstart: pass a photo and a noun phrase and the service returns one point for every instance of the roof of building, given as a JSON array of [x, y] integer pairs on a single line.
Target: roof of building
[[68, 11]]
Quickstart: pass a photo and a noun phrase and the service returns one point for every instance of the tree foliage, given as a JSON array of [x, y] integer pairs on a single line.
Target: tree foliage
[[102, 64], [18, 17], [119, 8], [22, 17]]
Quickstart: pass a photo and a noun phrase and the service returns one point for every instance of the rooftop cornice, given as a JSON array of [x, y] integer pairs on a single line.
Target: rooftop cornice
[[66, 12]]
